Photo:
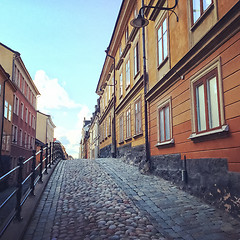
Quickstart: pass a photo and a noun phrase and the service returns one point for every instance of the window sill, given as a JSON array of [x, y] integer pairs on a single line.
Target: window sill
[[128, 139], [202, 17], [162, 63], [137, 74], [138, 135], [224, 128], [159, 144]]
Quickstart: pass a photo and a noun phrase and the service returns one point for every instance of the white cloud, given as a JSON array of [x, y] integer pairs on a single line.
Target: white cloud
[[53, 95], [70, 135], [54, 100]]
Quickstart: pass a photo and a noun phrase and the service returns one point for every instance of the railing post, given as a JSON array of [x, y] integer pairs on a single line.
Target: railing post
[[33, 172], [53, 153], [19, 191], [41, 165], [50, 155], [46, 158]]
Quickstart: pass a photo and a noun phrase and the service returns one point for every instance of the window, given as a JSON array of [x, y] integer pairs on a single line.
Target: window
[[22, 110], [30, 118], [162, 41], [25, 140], [6, 110], [15, 134], [0, 89], [120, 50], [33, 143], [8, 143], [109, 92], [20, 137], [109, 126], [128, 73], [127, 34], [29, 142], [106, 97], [106, 132], [26, 115], [12, 133], [138, 117], [27, 91], [23, 86], [33, 122], [207, 102], [164, 121], [128, 123], [121, 130], [9, 112], [120, 85], [16, 105], [103, 131], [4, 141], [198, 8], [136, 59]]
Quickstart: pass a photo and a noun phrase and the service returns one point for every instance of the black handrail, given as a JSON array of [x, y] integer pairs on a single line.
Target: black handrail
[[33, 177]]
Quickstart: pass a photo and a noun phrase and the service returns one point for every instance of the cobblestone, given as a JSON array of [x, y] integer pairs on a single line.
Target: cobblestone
[[107, 199]]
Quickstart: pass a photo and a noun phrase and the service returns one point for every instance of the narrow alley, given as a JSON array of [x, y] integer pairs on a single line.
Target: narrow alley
[[108, 199]]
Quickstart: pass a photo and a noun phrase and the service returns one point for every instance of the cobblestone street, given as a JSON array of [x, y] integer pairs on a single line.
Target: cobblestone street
[[108, 199]]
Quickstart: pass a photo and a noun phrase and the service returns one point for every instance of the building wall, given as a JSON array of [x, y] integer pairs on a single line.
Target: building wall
[[124, 41], [212, 157], [6, 59]]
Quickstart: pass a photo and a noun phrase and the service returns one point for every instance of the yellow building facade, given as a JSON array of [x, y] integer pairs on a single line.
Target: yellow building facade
[[126, 49]]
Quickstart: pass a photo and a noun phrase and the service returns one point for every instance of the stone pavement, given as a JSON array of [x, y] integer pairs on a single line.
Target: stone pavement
[[108, 199]]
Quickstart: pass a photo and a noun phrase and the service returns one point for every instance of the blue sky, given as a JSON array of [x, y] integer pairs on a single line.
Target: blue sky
[[62, 43]]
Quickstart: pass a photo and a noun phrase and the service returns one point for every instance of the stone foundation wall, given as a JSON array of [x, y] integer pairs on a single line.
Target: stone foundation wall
[[208, 179], [105, 152], [131, 155]]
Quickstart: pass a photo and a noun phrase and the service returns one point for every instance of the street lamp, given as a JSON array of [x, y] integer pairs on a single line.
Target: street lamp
[[114, 150], [142, 22]]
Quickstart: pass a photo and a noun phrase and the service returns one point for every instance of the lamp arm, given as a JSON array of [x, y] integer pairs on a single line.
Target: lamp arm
[[160, 8]]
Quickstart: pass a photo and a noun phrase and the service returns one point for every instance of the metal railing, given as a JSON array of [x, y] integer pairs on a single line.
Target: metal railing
[[48, 156]]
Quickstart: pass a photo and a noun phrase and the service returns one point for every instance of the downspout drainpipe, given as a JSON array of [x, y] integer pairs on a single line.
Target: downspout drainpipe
[[145, 92]]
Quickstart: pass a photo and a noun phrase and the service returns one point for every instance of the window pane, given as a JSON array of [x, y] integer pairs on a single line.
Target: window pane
[[6, 109], [196, 10], [165, 48], [10, 113], [160, 50], [167, 123], [201, 115], [213, 112], [162, 125], [206, 4]]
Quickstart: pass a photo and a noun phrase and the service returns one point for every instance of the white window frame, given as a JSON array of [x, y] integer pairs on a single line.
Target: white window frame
[[138, 116], [215, 64], [6, 109], [22, 110], [136, 59], [167, 126], [26, 115], [128, 76], [9, 112], [162, 41], [121, 128], [128, 122], [120, 84]]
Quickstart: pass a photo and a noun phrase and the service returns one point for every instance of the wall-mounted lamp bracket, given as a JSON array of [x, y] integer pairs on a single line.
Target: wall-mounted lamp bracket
[[141, 21]]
